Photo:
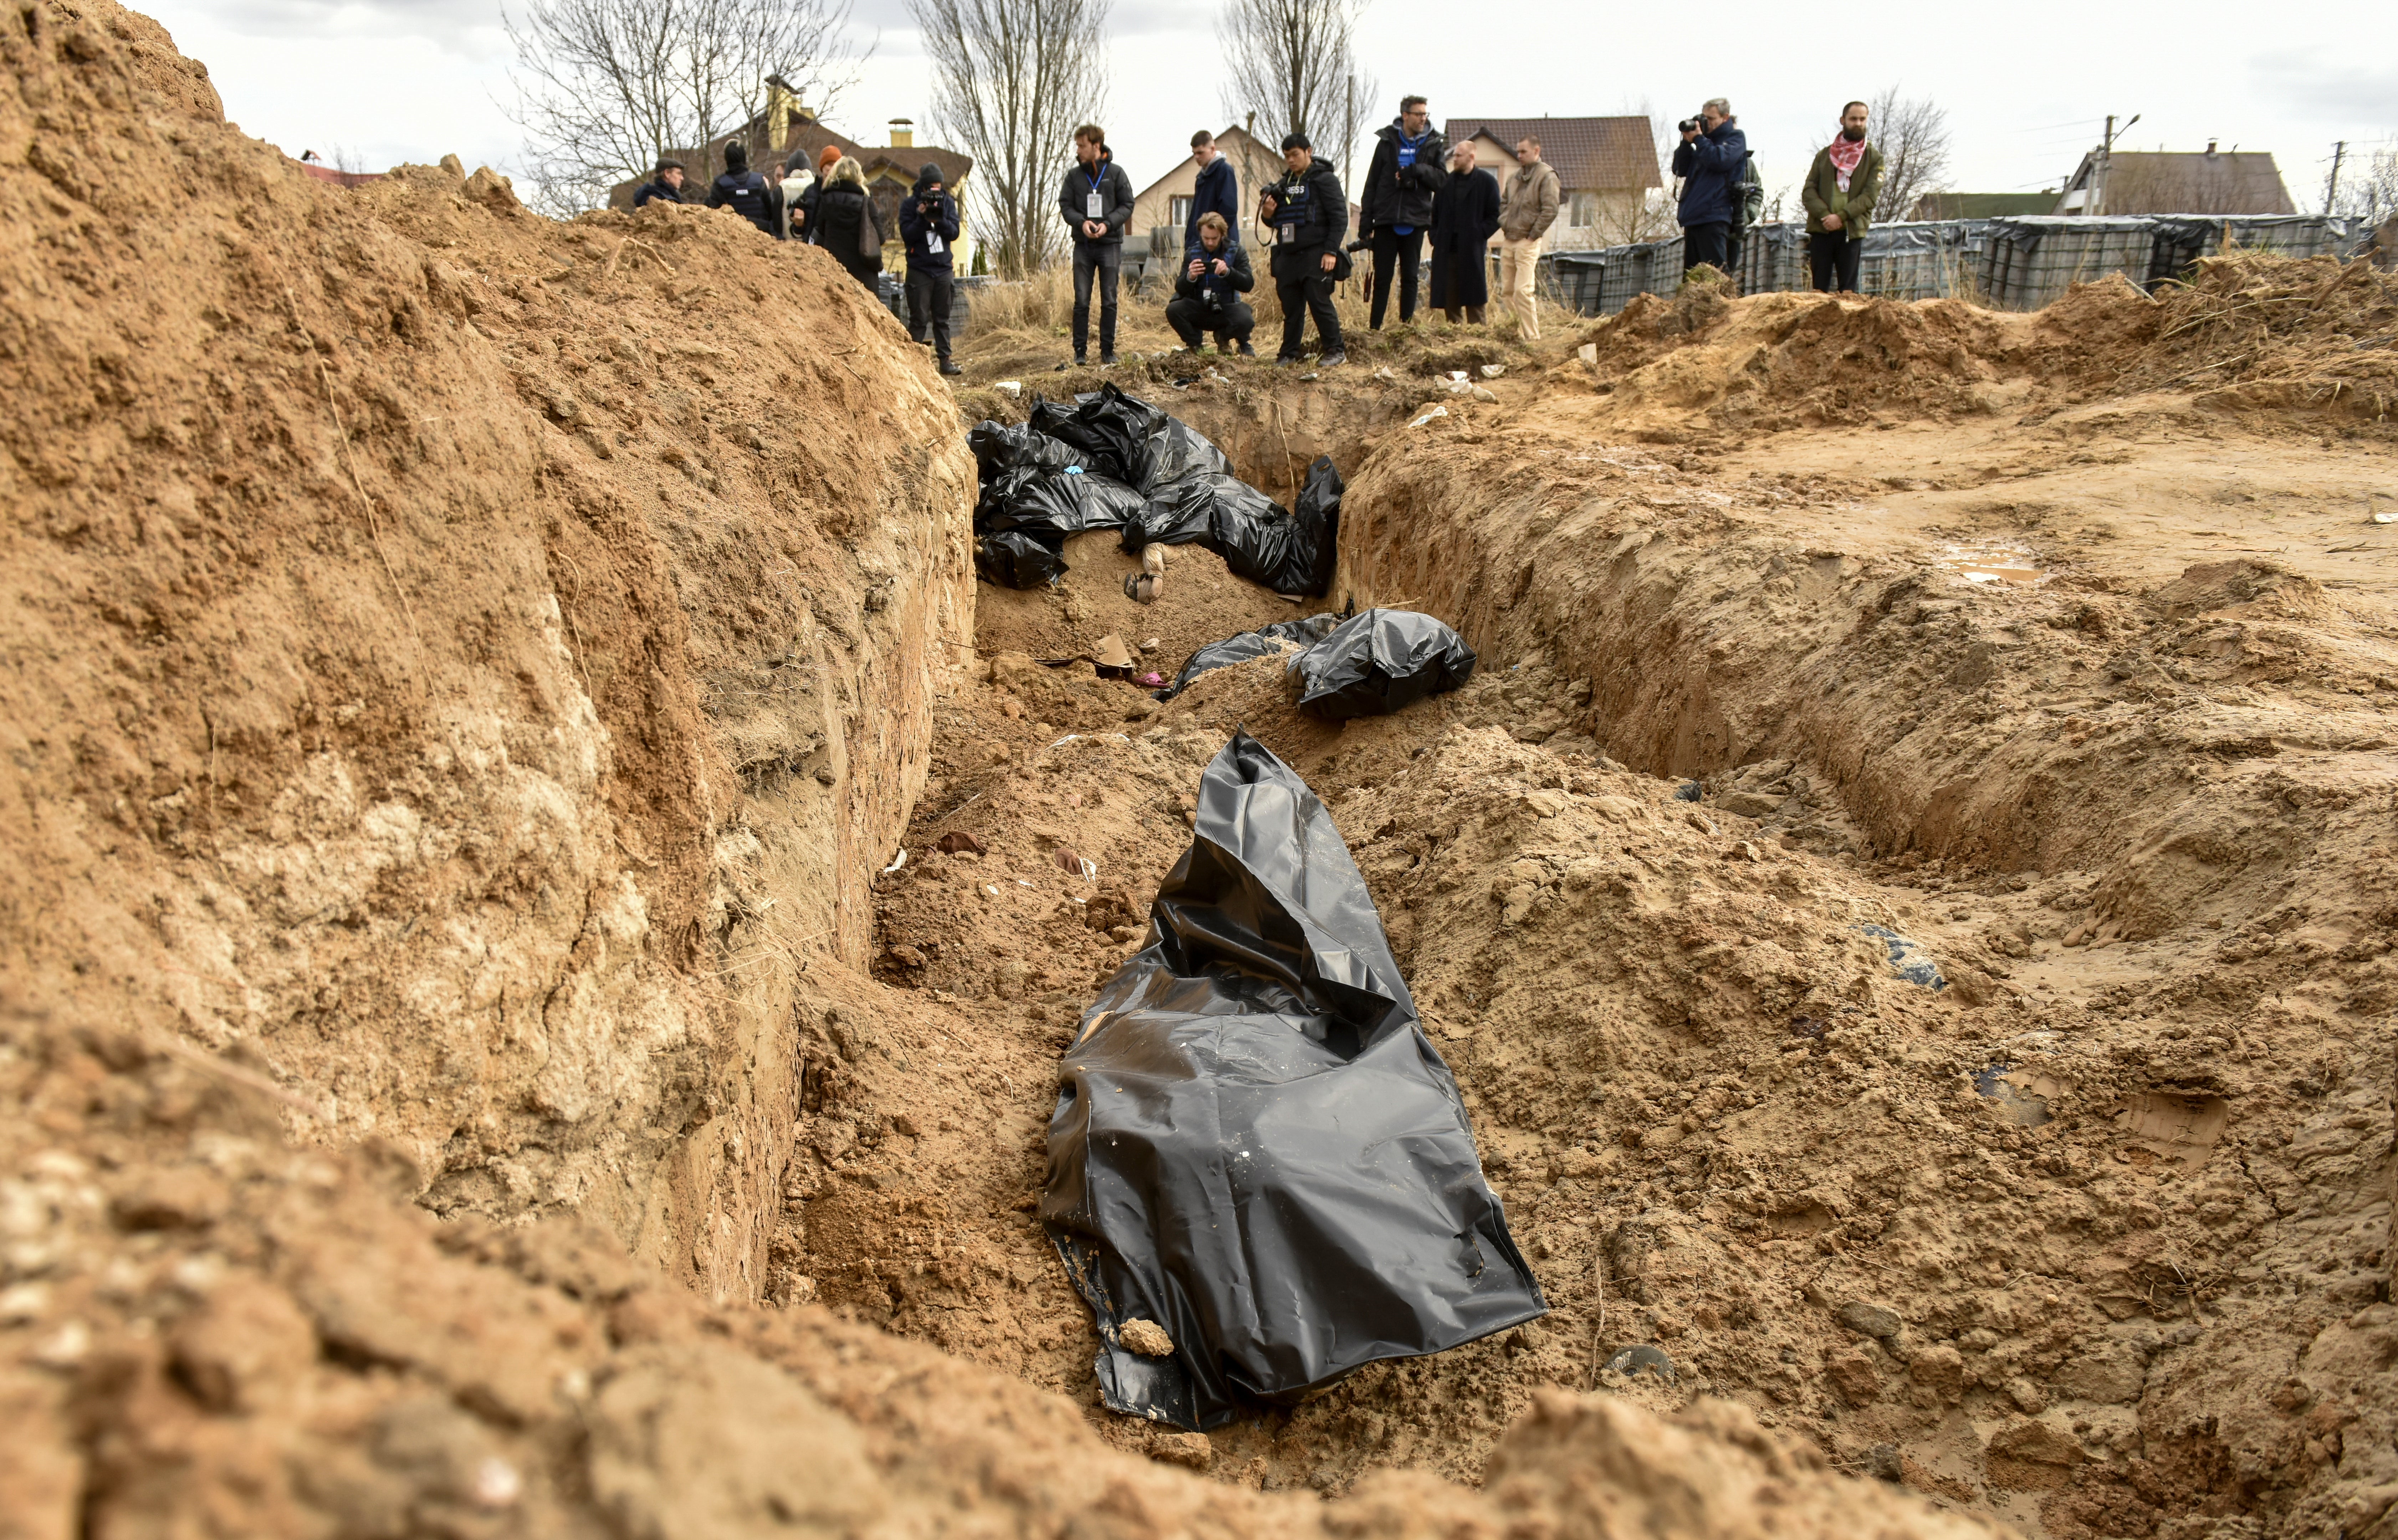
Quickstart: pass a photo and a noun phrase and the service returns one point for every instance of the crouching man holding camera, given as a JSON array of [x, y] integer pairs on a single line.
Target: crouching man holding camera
[[1709, 160], [1208, 291]]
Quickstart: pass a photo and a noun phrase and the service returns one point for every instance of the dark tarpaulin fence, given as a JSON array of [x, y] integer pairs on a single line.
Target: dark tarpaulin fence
[[1256, 1147], [2015, 263]]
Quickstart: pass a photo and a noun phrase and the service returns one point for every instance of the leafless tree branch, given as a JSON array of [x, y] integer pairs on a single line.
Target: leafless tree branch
[[1912, 133], [1011, 80], [605, 87], [1294, 64]]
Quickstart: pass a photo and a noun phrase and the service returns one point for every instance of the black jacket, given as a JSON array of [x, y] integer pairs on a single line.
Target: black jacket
[[1396, 195], [1218, 191], [656, 191], [748, 195], [1115, 200], [842, 208], [1710, 167], [1311, 208], [930, 234], [1211, 290], [1464, 217]]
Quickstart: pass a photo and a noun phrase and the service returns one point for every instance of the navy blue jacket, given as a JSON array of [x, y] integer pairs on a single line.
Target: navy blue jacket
[[923, 232], [1710, 168], [1213, 292], [751, 198], [1218, 191], [654, 191]]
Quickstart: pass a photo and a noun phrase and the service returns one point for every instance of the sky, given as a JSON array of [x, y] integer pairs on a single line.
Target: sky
[[378, 82]]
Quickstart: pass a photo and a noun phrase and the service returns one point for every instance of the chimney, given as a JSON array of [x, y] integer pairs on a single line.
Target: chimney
[[2210, 147], [903, 133]]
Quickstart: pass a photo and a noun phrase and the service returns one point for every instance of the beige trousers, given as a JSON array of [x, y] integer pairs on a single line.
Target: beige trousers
[[1517, 261]]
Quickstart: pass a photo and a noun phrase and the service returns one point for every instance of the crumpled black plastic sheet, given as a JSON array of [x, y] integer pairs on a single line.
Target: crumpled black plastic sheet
[[1255, 1144], [1190, 511], [1054, 505], [1291, 554], [1380, 661], [1014, 558], [1249, 644], [1001, 447]]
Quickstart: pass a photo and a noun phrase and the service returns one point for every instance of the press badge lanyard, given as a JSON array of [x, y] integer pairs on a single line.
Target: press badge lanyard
[[1091, 199]]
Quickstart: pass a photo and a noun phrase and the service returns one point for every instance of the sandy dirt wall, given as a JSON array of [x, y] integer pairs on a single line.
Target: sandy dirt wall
[[459, 666]]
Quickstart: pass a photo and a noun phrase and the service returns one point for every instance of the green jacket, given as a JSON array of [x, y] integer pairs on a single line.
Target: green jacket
[[1823, 194]]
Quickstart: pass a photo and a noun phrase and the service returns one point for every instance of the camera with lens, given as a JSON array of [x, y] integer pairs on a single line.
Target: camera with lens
[[1692, 125]]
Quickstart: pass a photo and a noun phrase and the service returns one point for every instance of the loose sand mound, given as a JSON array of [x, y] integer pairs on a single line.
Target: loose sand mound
[[2305, 340], [462, 675]]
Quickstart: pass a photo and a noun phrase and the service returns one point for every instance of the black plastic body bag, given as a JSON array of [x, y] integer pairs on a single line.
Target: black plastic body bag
[[1255, 1145]]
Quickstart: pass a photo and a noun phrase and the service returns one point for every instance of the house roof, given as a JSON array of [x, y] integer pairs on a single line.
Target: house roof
[[1230, 142], [1588, 154], [806, 141], [1982, 205], [808, 137], [2162, 181]]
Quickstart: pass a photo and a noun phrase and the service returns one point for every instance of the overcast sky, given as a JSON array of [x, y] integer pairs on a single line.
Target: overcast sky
[[2025, 88]]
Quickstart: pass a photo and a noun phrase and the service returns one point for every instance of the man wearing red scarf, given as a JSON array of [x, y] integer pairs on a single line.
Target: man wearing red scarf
[[1841, 187]]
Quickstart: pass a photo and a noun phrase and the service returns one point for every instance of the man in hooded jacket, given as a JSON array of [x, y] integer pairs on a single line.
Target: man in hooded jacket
[[1394, 206], [746, 193], [1216, 190], [928, 222]]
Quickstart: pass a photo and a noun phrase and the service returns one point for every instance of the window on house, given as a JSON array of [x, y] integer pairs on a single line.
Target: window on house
[[1178, 211], [1581, 210]]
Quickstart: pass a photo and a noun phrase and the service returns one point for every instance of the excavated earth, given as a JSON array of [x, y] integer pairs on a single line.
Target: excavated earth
[[475, 1060]]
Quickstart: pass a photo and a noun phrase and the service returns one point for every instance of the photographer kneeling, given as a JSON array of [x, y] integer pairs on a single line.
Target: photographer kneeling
[[1208, 291], [1709, 161]]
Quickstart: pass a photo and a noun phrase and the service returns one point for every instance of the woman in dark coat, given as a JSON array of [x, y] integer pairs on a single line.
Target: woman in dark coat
[[1464, 217], [844, 212]]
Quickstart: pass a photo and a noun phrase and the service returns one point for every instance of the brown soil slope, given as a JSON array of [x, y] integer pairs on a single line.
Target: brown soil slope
[[429, 632]]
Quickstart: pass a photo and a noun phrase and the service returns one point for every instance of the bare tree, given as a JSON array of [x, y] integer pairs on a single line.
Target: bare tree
[[1294, 64], [1643, 215], [1011, 80], [1912, 133], [2368, 186], [605, 87]]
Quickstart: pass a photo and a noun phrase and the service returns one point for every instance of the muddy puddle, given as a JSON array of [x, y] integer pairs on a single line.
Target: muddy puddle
[[1995, 563]]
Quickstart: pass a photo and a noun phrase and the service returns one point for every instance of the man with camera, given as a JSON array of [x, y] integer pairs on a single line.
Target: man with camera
[[929, 221], [1308, 214], [1208, 291], [1710, 160]]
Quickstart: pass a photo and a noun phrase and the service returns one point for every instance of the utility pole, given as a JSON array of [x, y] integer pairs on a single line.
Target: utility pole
[[2095, 204], [2331, 192]]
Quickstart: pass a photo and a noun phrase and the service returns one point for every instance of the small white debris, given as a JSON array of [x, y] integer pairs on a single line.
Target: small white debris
[[1010, 388], [1437, 411], [1492, 371], [896, 861], [497, 1485], [1588, 353], [1482, 395]]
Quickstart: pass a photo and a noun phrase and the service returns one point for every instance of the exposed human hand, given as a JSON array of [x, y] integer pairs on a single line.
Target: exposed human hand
[[1831, 222], [1221, 268], [1198, 268], [1330, 261]]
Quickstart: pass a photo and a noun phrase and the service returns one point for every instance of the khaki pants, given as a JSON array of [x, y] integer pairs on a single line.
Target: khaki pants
[[1517, 263]]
